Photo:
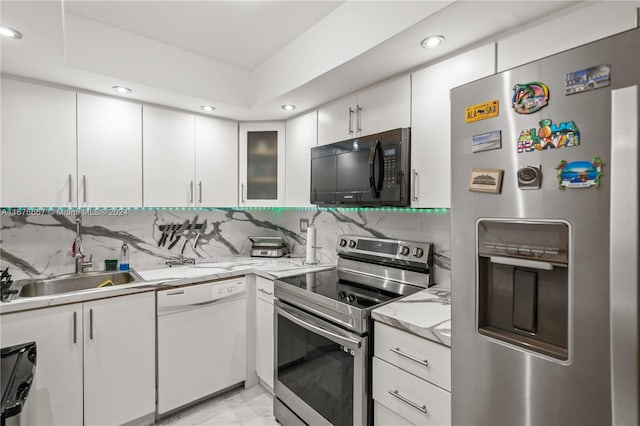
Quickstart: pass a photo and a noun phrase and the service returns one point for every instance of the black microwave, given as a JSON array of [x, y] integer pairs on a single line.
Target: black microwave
[[366, 171]]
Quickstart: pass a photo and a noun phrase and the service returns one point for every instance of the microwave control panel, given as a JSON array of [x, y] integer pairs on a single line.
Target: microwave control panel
[[391, 162]]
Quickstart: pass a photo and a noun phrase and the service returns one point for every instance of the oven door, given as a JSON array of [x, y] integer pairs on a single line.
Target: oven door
[[321, 369]]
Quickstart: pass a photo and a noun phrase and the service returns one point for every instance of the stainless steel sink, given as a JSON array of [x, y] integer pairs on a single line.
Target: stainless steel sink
[[74, 282]]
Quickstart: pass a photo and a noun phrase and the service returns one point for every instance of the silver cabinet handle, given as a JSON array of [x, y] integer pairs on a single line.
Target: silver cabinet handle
[[191, 192], [174, 293], [268, 293], [414, 185], [200, 190], [546, 266], [70, 185], [412, 358], [90, 324], [350, 120], [242, 193], [422, 408], [84, 188], [75, 327], [358, 118]]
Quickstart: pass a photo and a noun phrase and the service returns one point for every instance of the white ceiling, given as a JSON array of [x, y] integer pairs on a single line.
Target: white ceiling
[[240, 33], [246, 58]]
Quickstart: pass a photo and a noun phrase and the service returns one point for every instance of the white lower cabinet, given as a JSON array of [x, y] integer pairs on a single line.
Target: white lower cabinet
[[411, 379], [264, 331], [95, 360]]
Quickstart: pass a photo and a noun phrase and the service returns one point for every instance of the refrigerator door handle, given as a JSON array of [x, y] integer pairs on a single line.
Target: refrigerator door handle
[[623, 257], [535, 264]]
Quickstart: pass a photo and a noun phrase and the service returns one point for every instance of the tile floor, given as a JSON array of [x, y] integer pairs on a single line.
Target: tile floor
[[253, 406]]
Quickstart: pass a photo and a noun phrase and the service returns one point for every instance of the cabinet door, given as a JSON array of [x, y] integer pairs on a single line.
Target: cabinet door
[[431, 123], [55, 397], [262, 164], [301, 136], [119, 359], [337, 121], [109, 152], [264, 342], [38, 146], [168, 162], [216, 162], [384, 107]]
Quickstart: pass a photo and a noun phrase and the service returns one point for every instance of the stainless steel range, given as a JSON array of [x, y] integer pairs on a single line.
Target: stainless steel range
[[323, 342]]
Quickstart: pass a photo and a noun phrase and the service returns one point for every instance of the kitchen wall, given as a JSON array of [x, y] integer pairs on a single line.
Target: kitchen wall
[[39, 243]]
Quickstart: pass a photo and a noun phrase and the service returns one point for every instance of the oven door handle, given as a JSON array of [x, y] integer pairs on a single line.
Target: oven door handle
[[344, 341]]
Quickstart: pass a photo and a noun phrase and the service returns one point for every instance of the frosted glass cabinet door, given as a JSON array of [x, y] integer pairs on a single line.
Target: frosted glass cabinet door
[[216, 162], [109, 152], [262, 164], [38, 151], [169, 159]]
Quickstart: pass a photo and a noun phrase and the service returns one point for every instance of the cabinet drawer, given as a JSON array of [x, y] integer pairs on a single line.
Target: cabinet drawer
[[264, 289], [424, 358], [382, 416], [412, 398]]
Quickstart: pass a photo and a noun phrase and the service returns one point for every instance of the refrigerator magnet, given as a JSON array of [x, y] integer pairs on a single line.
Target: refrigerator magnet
[[579, 174], [587, 79], [529, 177], [486, 180], [529, 97], [481, 111], [486, 141], [549, 136]]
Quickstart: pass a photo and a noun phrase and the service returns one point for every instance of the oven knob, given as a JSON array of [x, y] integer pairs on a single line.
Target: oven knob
[[418, 252], [343, 242], [352, 244], [404, 250]]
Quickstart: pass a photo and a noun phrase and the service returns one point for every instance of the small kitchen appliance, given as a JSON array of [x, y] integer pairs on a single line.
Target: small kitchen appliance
[[268, 247], [323, 337]]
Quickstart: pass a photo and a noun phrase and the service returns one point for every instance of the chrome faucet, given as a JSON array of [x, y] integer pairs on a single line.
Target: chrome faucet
[[76, 250]]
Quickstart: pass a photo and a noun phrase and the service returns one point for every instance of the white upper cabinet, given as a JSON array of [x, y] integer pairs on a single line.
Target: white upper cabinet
[[168, 163], [38, 146], [262, 164], [109, 152], [301, 136], [431, 123], [384, 107], [216, 173]]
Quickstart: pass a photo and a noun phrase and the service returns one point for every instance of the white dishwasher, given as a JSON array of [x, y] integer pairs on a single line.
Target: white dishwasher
[[201, 341]]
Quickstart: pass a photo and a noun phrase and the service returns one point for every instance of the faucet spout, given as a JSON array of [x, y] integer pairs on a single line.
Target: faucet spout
[[76, 250]]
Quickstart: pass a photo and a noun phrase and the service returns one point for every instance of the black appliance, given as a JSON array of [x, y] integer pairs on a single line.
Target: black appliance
[[323, 336], [18, 366], [365, 171]]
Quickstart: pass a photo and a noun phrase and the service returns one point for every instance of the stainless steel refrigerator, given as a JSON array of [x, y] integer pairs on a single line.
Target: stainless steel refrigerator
[[545, 240]]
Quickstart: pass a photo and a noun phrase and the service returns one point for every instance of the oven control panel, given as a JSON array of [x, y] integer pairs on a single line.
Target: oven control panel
[[386, 248]]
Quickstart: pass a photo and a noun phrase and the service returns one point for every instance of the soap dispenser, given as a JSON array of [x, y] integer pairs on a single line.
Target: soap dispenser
[[124, 257]]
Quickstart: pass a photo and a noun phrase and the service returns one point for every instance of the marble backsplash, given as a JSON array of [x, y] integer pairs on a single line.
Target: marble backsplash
[[40, 244]]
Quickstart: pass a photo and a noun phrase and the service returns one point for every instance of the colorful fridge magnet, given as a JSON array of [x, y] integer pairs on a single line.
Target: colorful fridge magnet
[[486, 180], [486, 141], [549, 136], [481, 111], [530, 97], [529, 177], [587, 79], [579, 174]]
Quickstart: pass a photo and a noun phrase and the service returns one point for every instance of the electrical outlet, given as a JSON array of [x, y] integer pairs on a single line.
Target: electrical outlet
[[304, 224]]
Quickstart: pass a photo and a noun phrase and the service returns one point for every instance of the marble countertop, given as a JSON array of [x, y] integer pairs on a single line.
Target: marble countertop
[[161, 277], [426, 313]]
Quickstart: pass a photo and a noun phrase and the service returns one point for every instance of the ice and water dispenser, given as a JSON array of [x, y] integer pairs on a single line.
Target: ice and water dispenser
[[523, 284]]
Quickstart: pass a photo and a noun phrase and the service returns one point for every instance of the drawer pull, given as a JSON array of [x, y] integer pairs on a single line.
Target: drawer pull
[[422, 408], [414, 359], [268, 293]]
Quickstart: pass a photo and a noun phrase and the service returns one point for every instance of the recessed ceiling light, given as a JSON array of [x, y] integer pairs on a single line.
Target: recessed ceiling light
[[432, 41], [207, 108], [122, 89], [10, 33], [288, 107]]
